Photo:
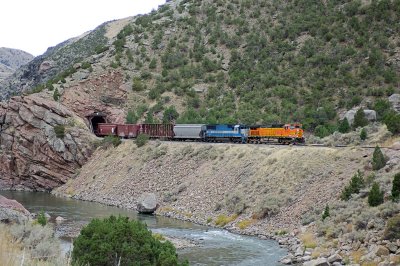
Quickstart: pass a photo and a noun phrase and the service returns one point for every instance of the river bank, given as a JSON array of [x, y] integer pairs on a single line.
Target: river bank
[[273, 192]]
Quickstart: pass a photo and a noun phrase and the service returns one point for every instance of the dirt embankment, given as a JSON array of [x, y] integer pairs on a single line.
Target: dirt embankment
[[199, 182]]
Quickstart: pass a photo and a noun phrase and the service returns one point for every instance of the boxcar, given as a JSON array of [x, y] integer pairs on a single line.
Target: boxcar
[[189, 131], [288, 133], [234, 133], [127, 130], [104, 129], [162, 131]]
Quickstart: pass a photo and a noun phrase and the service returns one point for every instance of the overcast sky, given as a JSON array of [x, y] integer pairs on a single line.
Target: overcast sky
[[35, 25]]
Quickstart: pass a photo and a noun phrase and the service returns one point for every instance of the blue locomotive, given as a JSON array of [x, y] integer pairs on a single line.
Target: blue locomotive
[[233, 133]]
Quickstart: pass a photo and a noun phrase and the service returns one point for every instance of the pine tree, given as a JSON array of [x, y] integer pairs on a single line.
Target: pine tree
[[344, 126], [396, 187], [378, 159], [326, 213], [359, 119], [56, 95], [375, 196], [363, 134]]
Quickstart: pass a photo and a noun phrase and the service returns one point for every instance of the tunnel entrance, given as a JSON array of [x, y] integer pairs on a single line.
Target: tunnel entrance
[[95, 119]]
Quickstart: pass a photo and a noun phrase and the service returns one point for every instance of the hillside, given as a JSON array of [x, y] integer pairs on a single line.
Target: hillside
[[11, 60], [253, 189], [244, 61]]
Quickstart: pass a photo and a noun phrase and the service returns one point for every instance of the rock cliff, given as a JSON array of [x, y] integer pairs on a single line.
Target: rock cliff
[[32, 155]]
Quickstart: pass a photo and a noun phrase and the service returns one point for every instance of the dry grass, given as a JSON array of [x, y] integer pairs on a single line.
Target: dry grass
[[356, 255], [309, 240], [245, 223], [223, 220], [370, 263], [13, 252]]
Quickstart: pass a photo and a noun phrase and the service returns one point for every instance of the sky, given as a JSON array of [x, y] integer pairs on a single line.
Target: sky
[[35, 25]]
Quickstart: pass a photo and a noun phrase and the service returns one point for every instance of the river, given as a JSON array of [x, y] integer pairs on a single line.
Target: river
[[214, 246]]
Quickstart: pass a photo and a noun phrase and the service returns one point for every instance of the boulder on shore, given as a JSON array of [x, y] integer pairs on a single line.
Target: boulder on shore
[[12, 211], [147, 203]]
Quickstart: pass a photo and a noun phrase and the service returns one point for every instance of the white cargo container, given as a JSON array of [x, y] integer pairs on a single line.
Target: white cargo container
[[189, 131]]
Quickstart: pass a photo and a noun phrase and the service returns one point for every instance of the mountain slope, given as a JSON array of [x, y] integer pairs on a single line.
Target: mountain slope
[[11, 60], [247, 61]]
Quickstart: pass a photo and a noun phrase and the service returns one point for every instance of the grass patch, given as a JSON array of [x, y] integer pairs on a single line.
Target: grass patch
[[223, 219], [308, 240], [245, 223]]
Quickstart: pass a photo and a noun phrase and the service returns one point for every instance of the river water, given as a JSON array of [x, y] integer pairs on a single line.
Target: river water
[[215, 246]]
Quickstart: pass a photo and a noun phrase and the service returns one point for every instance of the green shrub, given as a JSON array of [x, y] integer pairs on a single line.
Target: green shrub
[[119, 241], [392, 121], [356, 183], [396, 187], [392, 230], [375, 195], [363, 134], [56, 95], [378, 159], [344, 126], [137, 84], [359, 119], [170, 115], [131, 117], [41, 219], [108, 140], [321, 131], [60, 131], [326, 213], [142, 139]]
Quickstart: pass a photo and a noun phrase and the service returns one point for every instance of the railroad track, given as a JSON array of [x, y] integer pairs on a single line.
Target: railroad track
[[279, 144]]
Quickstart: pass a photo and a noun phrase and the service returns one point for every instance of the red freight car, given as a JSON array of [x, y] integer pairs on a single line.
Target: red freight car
[[163, 131], [104, 129], [127, 130]]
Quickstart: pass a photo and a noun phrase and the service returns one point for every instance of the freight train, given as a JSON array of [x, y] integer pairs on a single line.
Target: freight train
[[286, 134]]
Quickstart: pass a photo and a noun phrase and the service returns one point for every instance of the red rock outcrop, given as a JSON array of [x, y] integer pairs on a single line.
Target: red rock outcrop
[[104, 93], [31, 154]]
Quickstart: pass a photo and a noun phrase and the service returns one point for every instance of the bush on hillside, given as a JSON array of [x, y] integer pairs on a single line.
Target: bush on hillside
[[392, 230], [375, 195], [119, 241], [142, 139], [392, 121], [356, 183], [60, 131], [326, 213], [363, 134], [344, 126], [359, 119], [378, 159], [396, 187], [111, 140]]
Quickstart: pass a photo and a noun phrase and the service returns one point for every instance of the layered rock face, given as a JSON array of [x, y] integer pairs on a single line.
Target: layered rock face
[[32, 156]]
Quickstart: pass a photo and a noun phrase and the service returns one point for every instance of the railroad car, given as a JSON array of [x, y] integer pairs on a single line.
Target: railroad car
[[161, 131], [104, 129], [289, 133], [189, 132], [127, 130], [233, 133]]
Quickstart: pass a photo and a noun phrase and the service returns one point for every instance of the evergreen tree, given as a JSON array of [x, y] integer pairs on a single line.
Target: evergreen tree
[[56, 95], [396, 187], [131, 117], [378, 159], [356, 183], [344, 126], [363, 134], [119, 241], [170, 114], [326, 213], [375, 196], [359, 119]]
